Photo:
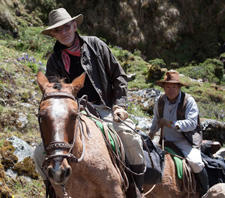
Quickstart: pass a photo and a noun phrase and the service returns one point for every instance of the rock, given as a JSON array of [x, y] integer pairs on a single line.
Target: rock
[[220, 153], [142, 123], [143, 95], [148, 105], [21, 121], [213, 130], [216, 191], [131, 77], [10, 173], [22, 149], [26, 105]]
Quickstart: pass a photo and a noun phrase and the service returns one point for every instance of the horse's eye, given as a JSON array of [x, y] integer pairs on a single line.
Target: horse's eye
[[42, 116], [41, 119], [73, 115]]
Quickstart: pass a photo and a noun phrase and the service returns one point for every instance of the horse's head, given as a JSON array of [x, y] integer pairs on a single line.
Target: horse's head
[[58, 113]]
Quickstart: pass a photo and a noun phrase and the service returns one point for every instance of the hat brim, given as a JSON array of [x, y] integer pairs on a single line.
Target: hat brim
[[78, 19], [161, 83]]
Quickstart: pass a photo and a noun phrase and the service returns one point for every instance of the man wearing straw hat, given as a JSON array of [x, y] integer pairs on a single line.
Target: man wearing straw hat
[[105, 83], [177, 114]]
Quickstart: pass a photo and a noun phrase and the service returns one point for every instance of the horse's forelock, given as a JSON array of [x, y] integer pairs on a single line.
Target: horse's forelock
[[57, 85], [57, 82]]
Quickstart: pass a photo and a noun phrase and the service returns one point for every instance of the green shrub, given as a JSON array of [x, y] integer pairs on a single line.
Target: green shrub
[[158, 61], [174, 65], [154, 73], [120, 54], [137, 52], [211, 70], [222, 56]]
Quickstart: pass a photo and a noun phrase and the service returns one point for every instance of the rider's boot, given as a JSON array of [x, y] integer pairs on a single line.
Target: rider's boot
[[203, 180], [139, 179]]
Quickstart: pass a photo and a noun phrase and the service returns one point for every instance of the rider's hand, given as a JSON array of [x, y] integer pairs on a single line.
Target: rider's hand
[[164, 122], [119, 112]]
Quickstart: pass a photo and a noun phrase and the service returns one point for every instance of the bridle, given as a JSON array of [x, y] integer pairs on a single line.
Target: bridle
[[63, 145]]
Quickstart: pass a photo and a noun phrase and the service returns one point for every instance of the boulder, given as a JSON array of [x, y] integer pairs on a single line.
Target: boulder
[[145, 97], [213, 130], [22, 149], [220, 153], [216, 191], [131, 77]]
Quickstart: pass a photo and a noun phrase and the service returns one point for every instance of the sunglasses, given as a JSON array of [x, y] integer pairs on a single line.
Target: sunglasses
[[65, 27]]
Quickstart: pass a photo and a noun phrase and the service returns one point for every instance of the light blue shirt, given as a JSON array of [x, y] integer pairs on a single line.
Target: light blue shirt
[[170, 113]]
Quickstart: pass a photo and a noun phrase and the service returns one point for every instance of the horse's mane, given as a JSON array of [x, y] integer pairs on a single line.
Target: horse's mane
[[57, 82]]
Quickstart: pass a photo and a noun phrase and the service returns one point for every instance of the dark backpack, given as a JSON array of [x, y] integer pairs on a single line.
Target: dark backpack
[[215, 167], [155, 163]]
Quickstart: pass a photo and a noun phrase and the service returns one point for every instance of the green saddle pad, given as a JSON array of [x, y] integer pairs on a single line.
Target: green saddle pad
[[178, 163], [114, 145], [111, 141]]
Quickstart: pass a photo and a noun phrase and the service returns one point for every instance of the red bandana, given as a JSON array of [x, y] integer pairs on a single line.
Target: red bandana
[[73, 50]]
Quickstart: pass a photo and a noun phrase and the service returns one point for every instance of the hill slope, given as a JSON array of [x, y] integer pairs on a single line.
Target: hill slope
[[174, 30]]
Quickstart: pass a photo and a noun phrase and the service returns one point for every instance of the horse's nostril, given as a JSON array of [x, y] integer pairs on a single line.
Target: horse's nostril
[[50, 172], [68, 172]]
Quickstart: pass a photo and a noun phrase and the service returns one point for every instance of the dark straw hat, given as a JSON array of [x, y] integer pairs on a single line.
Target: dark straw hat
[[170, 77], [60, 17]]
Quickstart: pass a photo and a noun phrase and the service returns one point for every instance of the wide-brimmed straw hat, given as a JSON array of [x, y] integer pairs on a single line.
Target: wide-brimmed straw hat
[[170, 77], [60, 17]]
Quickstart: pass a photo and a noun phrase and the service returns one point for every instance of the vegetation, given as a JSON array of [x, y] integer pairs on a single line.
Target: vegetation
[[32, 49], [20, 60], [187, 41], [208, 94], [211, 70]]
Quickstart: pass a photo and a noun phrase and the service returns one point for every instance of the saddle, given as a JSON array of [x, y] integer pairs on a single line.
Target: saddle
[[177, 156], [215, 167]]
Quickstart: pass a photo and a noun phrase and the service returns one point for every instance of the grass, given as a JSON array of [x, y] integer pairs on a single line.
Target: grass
[[210, 69], [132, 63], [210, 100], [21, 187]]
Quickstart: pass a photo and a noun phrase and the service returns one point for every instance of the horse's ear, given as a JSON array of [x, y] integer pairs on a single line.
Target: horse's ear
[[42, 80], [78, 83]]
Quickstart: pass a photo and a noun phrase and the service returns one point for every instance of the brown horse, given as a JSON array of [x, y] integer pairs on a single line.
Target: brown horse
[[171, 186], [78, 163]]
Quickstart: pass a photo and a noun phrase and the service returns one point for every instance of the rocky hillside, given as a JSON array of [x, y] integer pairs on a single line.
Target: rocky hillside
[[174, 30], [19, 100]]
